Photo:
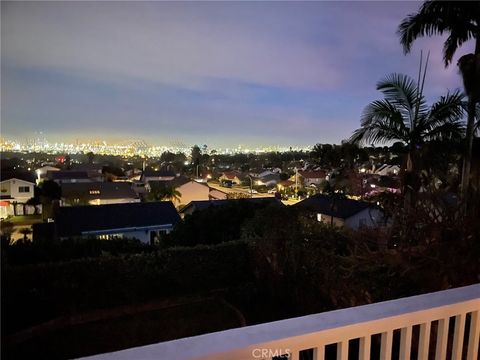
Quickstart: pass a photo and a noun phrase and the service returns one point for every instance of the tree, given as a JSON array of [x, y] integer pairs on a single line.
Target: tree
[[196, 155], [163, 192], [90, 156], [49, 192], [403, 116], [461, 21]]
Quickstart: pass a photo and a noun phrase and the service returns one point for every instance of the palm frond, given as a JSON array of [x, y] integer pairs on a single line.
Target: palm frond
[[402, 91], [449, 108], [448, 131], [423, 23], [436, 17], [457, 37], [381, 121]]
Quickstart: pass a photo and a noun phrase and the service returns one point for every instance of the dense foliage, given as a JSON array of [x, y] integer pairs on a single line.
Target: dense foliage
[[39, 292]]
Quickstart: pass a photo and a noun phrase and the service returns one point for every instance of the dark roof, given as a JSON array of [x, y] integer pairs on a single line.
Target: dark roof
[[312, 174], [342, 208], [17, 174], [88, 167], [270, 177], [67, 174], [179, 181], [161, 173], [199, 205], [98, 190], [72, 221]]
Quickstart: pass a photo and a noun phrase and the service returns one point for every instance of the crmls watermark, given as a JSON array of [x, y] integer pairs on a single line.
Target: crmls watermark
[[270, 353]]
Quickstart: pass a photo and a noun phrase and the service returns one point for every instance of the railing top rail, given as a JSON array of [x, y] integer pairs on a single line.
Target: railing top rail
[[227, 340]]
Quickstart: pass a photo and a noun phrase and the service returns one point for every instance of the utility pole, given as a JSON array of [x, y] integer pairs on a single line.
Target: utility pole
[[296, 181]]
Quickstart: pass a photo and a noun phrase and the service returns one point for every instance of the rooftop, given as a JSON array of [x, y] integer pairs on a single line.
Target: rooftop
[[335, 206], [73, 221]]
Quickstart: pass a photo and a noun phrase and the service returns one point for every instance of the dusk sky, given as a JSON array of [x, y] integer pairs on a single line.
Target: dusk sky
[[218, 73]]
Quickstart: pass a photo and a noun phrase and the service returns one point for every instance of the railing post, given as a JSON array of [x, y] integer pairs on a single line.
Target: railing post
[[473, 337], [364, 351], [342, 350], [405, 342], [458, 337], [424, 341], [319, 353], [442, 338], [386, 345]]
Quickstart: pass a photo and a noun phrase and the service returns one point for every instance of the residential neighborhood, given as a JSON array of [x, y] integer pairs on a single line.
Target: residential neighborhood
[[240, 180]]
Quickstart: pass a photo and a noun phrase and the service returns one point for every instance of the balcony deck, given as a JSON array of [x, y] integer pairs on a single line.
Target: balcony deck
[[448, 320]]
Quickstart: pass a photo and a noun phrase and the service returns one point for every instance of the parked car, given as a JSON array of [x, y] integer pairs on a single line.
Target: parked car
[[227, 183]]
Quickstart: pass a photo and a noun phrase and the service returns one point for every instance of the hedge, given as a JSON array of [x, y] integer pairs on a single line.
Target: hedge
[[37, 293]]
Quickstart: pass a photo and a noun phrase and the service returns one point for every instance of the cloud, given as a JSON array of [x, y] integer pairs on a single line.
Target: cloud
[[177, 45], [281, 71]]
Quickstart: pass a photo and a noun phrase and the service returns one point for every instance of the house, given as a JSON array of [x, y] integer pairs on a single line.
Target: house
[[143, 221], [216, 194], [285, 184], [68, 176], [150, 175], [343, 212], [16, 188], [42, 172], [268, 180], [310, 177], [193, 206], [377, 184], [97, 193], [189, 190], [133, 174], [94, 171], [233, 176], [385, 170]]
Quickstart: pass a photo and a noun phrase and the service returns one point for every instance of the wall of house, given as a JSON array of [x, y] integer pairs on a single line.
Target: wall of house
[[5, 188], [143, 235], [314, 181], [12, 188], [192, 191], [113, 201], [65, 181], [365, 218]]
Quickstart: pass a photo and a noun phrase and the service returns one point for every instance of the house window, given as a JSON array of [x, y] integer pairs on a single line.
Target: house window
[[24, 189], [94, 192], [319, 217]]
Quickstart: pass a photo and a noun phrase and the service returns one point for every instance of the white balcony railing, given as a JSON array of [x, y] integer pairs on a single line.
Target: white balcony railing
[[444, 323]]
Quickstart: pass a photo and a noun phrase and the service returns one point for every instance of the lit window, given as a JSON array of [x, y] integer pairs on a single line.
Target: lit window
[[319, 217], [94, 192]]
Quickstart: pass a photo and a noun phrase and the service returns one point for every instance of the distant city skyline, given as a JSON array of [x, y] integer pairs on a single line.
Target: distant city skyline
[[220, 73]]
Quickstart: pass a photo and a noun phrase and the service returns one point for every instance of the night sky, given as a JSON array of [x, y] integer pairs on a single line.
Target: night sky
[[219, 73]]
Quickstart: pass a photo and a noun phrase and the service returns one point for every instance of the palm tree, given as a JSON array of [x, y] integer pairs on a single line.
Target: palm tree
[[171, 193], [404, 116], [163, 192], [461, 21]]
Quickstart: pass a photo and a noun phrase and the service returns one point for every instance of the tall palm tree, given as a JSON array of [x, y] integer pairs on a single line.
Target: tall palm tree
[[404, 116], [461, 21]]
